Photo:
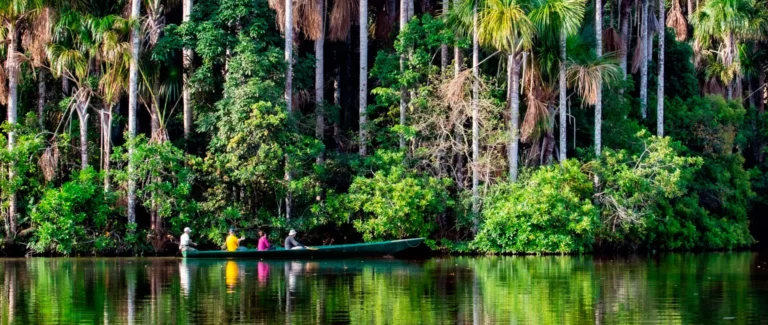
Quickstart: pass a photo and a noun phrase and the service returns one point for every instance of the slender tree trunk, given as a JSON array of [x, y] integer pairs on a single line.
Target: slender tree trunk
[[456, 49], [690, 9], [644, 61], [563, 98], [364, 79], [411, 7], [549, 149], [513, 96], [288, 95], [320, 82], [188, 57], [626, 15], [444, 59], [133, 104], [404, 8], [41, 92], [599, 90], [106, 143], [65, 86], [660, 83], [12, 106], [761, 92], [475, 120], [82, 113]]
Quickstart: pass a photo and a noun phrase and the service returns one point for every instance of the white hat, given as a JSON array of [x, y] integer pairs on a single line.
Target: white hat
[[292, 232], [186, 229]]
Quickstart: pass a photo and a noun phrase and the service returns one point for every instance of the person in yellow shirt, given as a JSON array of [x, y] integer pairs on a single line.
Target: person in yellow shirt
[[233, 243]]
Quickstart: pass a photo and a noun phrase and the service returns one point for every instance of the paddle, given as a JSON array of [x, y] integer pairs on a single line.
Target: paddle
[[311, 248]]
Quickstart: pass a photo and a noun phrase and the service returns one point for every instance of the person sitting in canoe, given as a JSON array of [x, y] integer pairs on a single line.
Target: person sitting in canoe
[[263, 242], [233, 243], [185, 242], [291, 243]]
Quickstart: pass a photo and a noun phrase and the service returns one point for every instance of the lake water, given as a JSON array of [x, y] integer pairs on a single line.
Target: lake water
[[728, 288]]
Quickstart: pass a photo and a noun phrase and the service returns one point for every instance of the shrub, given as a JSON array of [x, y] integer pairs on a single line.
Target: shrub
[[550, 212]]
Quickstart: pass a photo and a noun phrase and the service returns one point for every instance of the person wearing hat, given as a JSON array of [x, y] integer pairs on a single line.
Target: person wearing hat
[[291, 243], [233, 243], [185, 243]]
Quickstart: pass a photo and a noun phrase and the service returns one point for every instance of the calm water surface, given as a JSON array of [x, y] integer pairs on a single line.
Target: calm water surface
[[729, 288]]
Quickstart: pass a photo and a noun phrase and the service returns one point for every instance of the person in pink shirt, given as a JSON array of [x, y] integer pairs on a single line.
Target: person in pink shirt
[[263, 242]]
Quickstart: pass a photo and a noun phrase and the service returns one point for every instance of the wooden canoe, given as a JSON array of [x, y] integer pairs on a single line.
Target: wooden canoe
[[377, 249]]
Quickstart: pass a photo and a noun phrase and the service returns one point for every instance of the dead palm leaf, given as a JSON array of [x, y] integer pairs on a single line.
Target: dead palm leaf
[[612, 41], [637, 57], [342, 16], [455, 91], [653, 24], [676, 20], [38, 36], [536, 119], [587, 77], [310, 19]]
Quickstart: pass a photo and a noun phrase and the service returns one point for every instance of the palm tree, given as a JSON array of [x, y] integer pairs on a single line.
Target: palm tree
[[133, 102], [319, 79], [14, 14], [364, 76], [475, 117], [660, 82], [626, 12], [643, 57], [404, 4], [559, 19], [444, 47], [506, 26], [599, 85], [188, 56]]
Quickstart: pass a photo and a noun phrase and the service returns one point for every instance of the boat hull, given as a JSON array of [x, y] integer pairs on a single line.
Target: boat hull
[[376, 249]]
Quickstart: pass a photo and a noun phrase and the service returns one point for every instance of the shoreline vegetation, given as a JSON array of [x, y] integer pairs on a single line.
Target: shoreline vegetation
[[486, 126]]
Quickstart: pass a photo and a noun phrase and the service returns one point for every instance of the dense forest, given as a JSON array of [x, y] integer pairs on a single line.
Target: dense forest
[[487, 126]]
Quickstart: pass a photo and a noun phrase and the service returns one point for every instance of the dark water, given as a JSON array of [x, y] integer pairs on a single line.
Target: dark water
[[729, 288]]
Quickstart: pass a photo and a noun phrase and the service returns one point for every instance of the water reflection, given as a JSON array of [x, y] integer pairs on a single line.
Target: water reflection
[[669, 289]]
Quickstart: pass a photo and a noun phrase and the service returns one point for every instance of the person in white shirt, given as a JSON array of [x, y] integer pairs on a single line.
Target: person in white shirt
[[185, 243]]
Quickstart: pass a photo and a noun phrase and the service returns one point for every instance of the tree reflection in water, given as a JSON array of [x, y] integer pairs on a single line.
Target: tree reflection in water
[[670, 289]]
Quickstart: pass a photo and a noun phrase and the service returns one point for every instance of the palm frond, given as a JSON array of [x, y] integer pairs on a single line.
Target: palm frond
[[676, 20], [612, 41], [311, 20], [586, 77], [343, 14], [505, 26]]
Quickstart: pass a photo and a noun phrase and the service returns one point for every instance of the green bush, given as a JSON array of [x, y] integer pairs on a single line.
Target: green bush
[[550, 212], [72, 218], [393, 202]]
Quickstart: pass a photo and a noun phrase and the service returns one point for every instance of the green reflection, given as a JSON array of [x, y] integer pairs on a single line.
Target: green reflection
[[664, 289]]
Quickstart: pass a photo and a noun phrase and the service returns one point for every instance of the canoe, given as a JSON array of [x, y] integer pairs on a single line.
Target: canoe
[[377, 249]]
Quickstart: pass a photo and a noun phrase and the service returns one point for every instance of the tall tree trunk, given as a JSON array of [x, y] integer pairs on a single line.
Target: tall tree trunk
[[364, 78], [644, 60], [13, 83], [549, 149], [626, 15], [82, 113], [761, 92], [513, 96], [404, 7], [563, 98], [320, 82], [456, 49], [65, 86], [133, 103], [599, 90], [41, 92], [188, 56], [444, 59], [660, 82], [288, 95], [106, 143], [475, 120], [690, 9]]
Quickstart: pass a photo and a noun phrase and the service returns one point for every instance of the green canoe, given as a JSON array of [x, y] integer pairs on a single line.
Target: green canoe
[[377, 249]]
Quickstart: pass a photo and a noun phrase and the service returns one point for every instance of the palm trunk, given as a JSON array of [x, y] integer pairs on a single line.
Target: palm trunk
[[563, 100], [444, 47], [644, 60], [404, 7], [761, 92], [83, 115], [599, 90], [456, 50], [549, 149], [132, 107], [626, 13], [660, 83], [188, 56], [320, 82], [288, 96], [513, 96], [12, 106], [106, 143], [41, 92], [690, 9], [65, 86], [475, 120], [364, 78]]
